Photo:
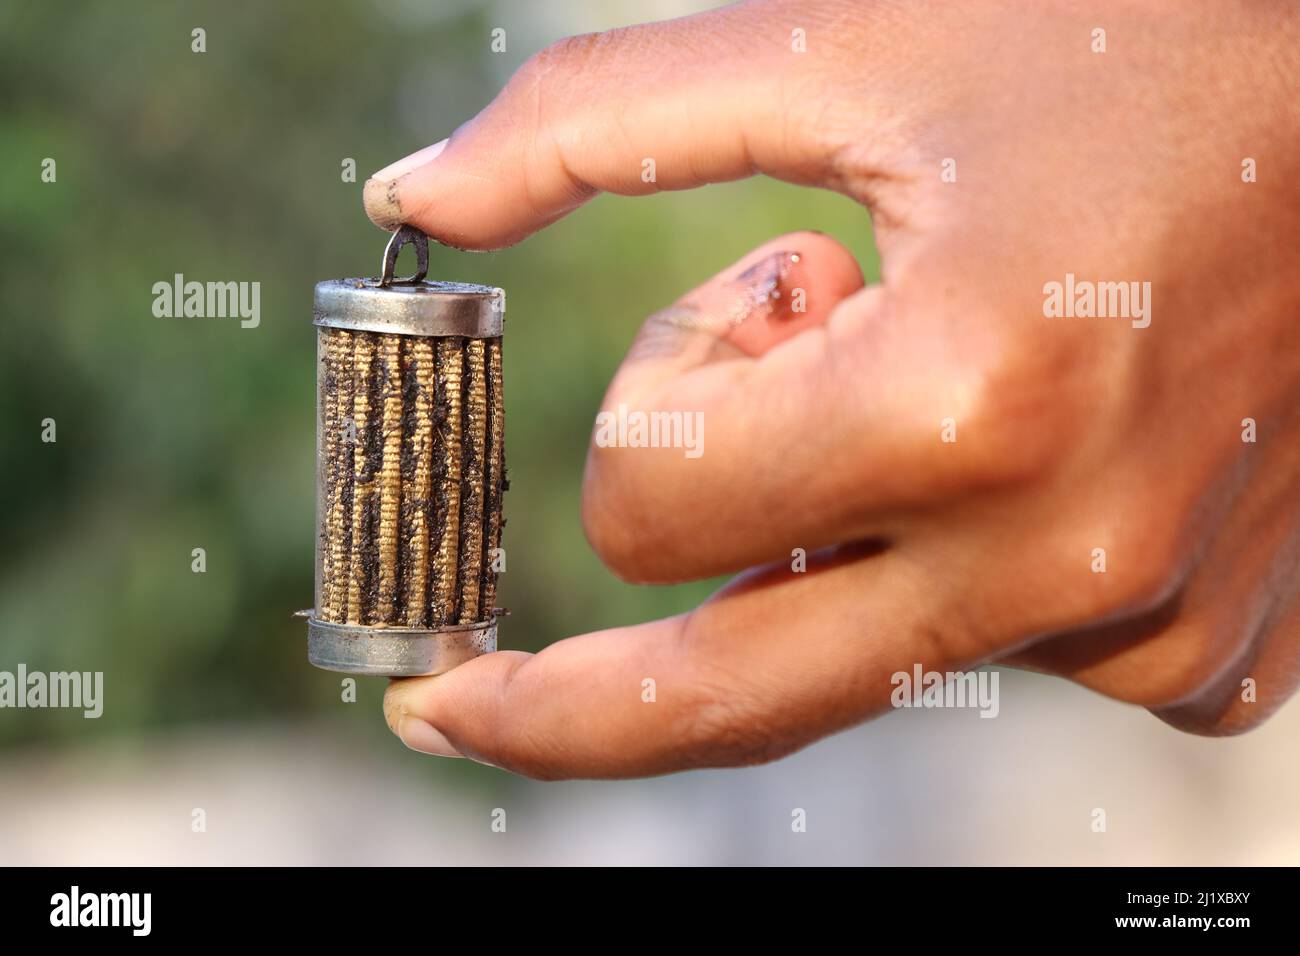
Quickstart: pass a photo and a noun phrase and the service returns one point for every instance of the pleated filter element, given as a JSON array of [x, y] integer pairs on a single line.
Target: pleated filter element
[[410, 471]]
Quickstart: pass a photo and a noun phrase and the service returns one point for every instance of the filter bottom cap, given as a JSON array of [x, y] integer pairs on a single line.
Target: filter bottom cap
[[397, 651]]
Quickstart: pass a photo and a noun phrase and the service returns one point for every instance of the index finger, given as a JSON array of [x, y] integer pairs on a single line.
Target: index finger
[[672, 105]]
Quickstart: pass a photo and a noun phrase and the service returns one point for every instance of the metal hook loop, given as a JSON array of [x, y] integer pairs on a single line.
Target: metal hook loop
[[400, 238]]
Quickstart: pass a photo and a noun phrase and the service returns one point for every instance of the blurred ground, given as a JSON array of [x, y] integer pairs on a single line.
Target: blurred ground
[[919, 787]]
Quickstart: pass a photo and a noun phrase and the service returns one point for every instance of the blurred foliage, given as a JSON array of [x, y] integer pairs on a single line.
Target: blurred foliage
[[182, 433]]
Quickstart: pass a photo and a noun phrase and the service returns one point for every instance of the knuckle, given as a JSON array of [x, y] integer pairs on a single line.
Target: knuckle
[[1232, 720], [1139, 554], [618, 520], [1168, 673], [1228, 688], [559, 56], [547, 77], [1017, 419], [1010, 400], [604, 521], [722, 724], [718, 733]]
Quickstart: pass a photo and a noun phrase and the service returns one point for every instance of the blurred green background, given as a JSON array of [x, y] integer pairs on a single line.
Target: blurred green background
[[177, 433]]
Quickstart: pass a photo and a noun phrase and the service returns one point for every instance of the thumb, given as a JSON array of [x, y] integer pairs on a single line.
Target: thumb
[[660, 106]]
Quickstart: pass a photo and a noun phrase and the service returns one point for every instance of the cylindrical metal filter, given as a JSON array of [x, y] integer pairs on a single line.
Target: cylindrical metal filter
[[410, 470]]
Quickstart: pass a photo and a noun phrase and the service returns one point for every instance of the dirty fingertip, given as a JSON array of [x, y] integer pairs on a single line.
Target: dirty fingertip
[[382, 202]]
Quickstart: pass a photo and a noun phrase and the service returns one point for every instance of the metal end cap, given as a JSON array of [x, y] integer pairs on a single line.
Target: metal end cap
[[411, 307], [397, 651]]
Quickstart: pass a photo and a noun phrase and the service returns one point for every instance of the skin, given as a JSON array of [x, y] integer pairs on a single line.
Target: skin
[[824, 428]]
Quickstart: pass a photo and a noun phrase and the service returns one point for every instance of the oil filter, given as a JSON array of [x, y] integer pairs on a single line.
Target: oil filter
[[410, 470]]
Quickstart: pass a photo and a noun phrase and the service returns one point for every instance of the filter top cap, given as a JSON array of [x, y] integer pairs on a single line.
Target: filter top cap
[[411, 306]]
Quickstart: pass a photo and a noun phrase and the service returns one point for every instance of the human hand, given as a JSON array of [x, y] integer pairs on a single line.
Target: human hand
[[828, 430]]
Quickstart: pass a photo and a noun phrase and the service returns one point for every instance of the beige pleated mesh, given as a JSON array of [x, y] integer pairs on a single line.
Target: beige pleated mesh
[[413, 475]]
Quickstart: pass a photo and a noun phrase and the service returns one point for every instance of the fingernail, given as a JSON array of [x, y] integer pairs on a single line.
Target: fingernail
[[415, 160], [382, 191], [422, 737]]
